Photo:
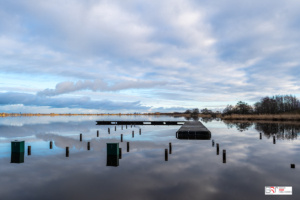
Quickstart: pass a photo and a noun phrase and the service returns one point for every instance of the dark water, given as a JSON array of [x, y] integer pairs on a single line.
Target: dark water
[[193, 170]]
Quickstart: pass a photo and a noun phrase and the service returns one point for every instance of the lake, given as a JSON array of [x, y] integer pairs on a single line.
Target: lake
[[193, 169]]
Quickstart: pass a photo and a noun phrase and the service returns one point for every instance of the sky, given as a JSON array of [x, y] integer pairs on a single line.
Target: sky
[[144, 56]]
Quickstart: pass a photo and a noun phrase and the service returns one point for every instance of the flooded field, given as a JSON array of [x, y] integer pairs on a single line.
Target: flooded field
[[192, 169]]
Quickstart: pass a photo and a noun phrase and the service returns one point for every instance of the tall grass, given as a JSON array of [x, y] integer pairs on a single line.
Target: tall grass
[[262, 117]]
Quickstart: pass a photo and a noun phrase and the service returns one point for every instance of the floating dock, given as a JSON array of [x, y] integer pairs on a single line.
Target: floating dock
[[140, 122], [193, 130], [190, 130]]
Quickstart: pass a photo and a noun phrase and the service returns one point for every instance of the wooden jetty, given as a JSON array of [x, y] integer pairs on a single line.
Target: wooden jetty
[[140, 122], [193, 130], [190, 130]]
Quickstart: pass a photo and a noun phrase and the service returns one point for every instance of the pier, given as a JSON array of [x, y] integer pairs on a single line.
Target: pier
[[190, 130]]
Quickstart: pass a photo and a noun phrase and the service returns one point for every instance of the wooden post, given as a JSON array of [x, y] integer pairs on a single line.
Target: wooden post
[[131, 125], [259, 135], [50, 144], [127, 146], [80, 137], [126, 126], [115, 128], [120, 153], [217, 148], [108, 130], [97, 133], [224, 156], [121, 137], [170, 148], [274, 140], [140, 131], [122, 127], [176, 134], [88, 146], [132, 133], [29, 150], [166, 154], [213, 143], [67, 151], [293, 166]]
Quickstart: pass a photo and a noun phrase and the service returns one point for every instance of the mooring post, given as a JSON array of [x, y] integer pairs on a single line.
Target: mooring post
[[50, 144], [97, 133], [170, 148], [120, 153], [166, 154], [122, 127], [140, 131], [293, 166], [121, 137], [131, 126], [274, 140], [132, 133], [224, 156], [259, 135], [126, 126], [115, 128], [88, 146], [127, 146], [80, 137], [108, 130], [217, 148], [67, 151], [29, 150], [213, 143]]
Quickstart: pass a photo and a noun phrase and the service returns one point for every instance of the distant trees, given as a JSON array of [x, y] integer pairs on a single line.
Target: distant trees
[[268, 105], [206, 111], [277, 104]]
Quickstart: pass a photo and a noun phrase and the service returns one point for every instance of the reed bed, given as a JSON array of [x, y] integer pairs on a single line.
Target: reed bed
[[280, 117]]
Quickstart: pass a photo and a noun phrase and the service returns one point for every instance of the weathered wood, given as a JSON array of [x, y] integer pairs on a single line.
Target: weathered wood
[[193, 128]]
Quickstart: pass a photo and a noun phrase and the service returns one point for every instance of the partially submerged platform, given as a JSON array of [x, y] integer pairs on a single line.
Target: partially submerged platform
[[193, 130], [190, 130], [140, 122]]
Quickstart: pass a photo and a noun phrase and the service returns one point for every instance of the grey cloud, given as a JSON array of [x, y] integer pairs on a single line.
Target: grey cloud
[[84, 102], [98, 85]]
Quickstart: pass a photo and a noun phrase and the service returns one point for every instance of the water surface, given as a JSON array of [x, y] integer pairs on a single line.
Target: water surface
[[193, 170]]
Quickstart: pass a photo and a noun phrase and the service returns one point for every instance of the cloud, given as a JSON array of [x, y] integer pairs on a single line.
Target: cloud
[[10, 98], [98, 85], [233, 50]]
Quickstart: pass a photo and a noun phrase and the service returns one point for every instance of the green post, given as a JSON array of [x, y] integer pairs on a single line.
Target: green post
[[18, 146], [112, 149]]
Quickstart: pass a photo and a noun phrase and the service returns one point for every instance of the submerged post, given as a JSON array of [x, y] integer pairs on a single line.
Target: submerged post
[[127, 146], [67, 151], [293, 166], [217, 148], [274, 140], [126, 126], [88, 146], [80, 137], [120, 153], [108, 130], [121, 137], [132, 133], [213, 143], [29, 150], [51, 145], [166, 154], [122, 127], [259, 135], [224, 156], [170, 148], [115, 128], [97, 133]]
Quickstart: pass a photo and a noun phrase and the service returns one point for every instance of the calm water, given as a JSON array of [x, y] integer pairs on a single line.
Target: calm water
[[193, 170]]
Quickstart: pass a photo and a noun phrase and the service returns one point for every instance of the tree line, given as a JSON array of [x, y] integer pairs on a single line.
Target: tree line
[[277, 104]]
